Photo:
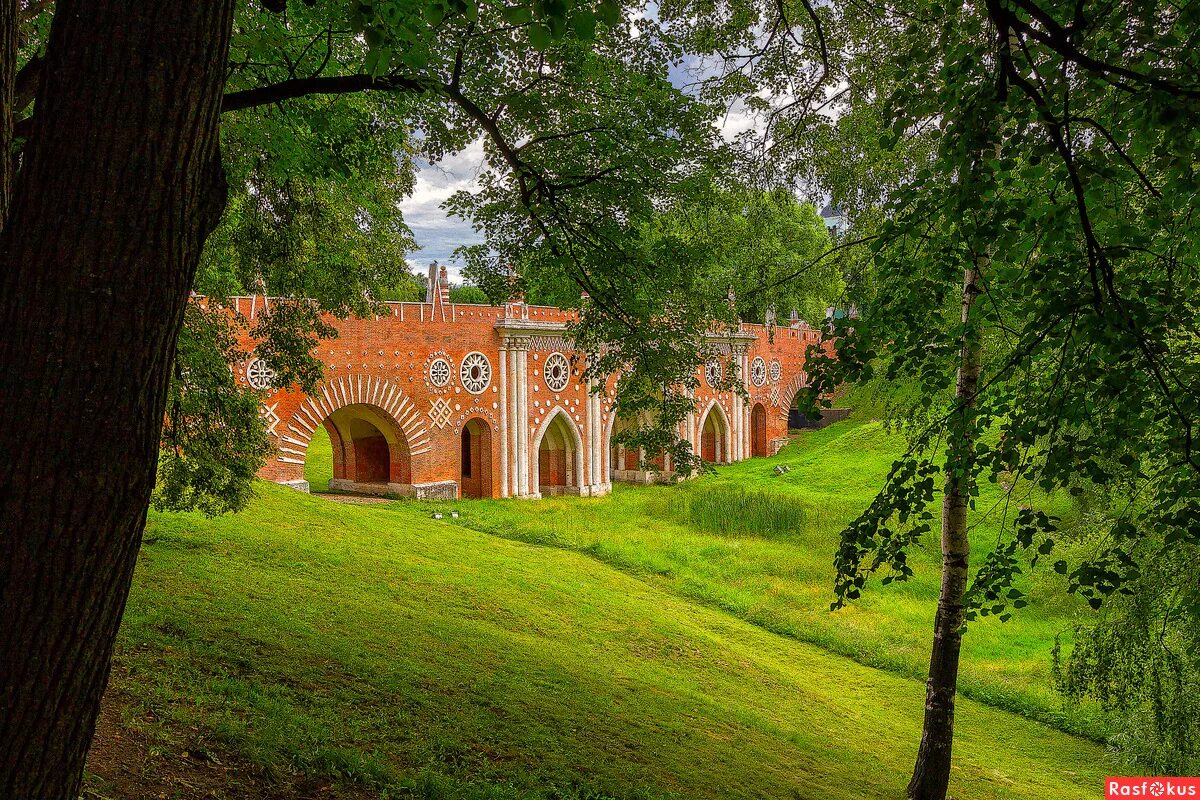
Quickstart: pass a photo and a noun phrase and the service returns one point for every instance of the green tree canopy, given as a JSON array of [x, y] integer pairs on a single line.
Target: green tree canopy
[[1052, 145]]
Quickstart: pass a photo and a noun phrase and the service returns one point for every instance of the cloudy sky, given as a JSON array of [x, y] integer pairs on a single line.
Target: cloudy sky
[[437, 233]]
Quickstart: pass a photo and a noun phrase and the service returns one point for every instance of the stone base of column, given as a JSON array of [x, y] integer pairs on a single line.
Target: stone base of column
[[559, 491], [643, 476]]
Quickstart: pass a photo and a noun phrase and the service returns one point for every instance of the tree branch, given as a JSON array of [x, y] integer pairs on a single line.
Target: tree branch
[[302, 87]]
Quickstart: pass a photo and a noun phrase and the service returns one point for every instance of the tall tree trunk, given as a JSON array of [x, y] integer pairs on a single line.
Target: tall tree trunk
[[120, 185], [8, 79], [931, 775]]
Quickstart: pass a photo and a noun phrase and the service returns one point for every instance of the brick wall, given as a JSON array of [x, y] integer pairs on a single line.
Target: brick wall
[[403, 369]]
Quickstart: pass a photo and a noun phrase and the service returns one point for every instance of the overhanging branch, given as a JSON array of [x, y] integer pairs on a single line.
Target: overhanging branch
[[302, 87]]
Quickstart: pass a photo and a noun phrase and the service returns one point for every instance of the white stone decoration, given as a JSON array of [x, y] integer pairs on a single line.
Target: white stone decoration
[[258, 374], [439, 412], [270, 417], [776, 370], [758, 371], [475, 372], [557, 372], [712, 372], [439, 372]]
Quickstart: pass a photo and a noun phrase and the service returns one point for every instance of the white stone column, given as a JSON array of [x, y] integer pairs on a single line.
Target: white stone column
[[523, 429], [598, 459], [605, 453], [747, 408], [503, 432], [735, 432], [514, 426]]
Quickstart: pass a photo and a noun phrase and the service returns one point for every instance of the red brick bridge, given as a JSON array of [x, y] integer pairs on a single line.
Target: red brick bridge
[[445, 400]]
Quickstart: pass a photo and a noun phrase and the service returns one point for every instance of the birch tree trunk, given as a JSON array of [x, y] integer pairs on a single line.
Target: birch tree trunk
[[931, 774]]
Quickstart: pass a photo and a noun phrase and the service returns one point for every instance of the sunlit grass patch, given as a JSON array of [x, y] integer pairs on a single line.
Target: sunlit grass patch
[[375, 646]]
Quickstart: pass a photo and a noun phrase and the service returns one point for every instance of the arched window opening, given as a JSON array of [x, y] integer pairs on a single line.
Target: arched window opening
[[369, 452], [558, 453], [758, 430], [475, 459], [713, 437]]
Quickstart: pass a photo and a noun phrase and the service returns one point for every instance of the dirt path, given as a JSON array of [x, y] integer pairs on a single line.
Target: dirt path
[[124, 764]]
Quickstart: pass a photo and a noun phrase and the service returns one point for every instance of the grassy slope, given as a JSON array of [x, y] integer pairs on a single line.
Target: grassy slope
[[783, 580], [373, 642]]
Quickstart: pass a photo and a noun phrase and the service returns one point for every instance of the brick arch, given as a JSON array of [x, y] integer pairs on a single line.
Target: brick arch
[[789, 393], [726, 442], [758, 430], [332, 395], [577, 442], [476, 470], [632, 461]]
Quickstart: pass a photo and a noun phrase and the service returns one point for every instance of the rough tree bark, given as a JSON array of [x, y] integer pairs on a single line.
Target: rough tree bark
[[120, 185], [931, 774], [8, 79]]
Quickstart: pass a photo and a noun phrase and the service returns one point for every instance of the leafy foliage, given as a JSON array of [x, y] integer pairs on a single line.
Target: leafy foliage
[[1140, 661], [1053, 141], [468, 295], [213, 438], [329, 104]]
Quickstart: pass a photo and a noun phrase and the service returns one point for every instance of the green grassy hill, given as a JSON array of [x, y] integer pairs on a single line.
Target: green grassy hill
[[760, 546], [624, 649]]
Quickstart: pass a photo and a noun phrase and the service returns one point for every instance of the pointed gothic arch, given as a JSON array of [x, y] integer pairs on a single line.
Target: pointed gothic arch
[[558, 462], [476, 475], [713, 435], [758, 430]]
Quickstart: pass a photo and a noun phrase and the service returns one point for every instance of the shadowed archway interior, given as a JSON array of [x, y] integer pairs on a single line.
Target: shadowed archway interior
[[370, 452], [475, 459]]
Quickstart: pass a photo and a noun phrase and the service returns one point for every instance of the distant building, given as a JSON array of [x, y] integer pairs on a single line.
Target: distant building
[[834, 219]]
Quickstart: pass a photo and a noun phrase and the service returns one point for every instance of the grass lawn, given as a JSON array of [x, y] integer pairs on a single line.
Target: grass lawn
[[620, 651], [760, 547]]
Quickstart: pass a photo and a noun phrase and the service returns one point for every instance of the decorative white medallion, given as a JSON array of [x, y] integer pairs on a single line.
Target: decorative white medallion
[[758, 371], [712, 372], [557, 372], [439, 372], [775, 370], [258, 374], [475, 372]]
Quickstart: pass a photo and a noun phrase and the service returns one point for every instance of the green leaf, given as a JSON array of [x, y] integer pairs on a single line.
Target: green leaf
[[584, 23], [517, 15], [540, 36], [608, 12]]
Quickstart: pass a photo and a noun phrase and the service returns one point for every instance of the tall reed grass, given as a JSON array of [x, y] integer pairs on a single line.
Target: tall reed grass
[[730, 510]]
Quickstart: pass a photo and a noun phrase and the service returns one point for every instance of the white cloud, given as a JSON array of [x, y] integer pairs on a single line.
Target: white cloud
[[437, 233]]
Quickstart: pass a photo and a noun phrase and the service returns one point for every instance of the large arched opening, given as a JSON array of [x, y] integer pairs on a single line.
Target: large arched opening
[[369, 453], [623, 459], [714, 436], [758, 430], [559, 456], [475, 459], [630, 464]]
